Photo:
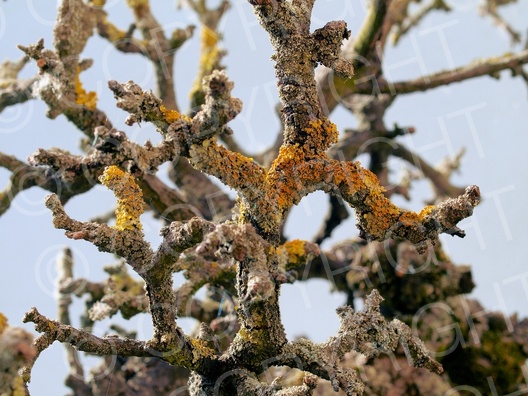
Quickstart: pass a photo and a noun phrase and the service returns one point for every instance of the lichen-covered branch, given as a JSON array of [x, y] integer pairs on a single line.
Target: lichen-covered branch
[[76, 377], [298, 170], [23, 177], [16, 351], [297, 54], [128, 244], [210, 54], [407, 280], [72, 175], [61, 88], [238, 247], [382, 336], [85, 341], [12, 89]]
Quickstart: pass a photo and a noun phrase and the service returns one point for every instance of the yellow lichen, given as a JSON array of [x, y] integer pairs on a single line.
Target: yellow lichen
[[83, 98], [409, 218], [426, 211], [208, 58], [112, 32], [129, 197], [137, 3], [209, 39], [293, 249], [98, 3], [19, 388], [3, 323], [172, 115], [251, 336], [201, 350], [123, 281]]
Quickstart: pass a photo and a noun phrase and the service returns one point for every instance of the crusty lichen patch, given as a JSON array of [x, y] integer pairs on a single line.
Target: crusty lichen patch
[[322, 133], [172, 115], [201, 350], [293, 250], [3, 322], [129, 197], [284, 176], [83, 98]]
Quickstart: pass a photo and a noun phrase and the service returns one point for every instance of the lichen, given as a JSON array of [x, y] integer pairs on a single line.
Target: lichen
[[129, 197], [137, 3], [294, 250], [112, 32], [16, 351], [83, 98], [281, 177], [19, 388], [209, 40], [322, 133], [208, 59], [201, 350], [98, 3], [237, 170], [173, 115], [429, 209], [3, 323]]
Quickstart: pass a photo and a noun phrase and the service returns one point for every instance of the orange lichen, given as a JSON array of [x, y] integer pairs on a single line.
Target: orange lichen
[[380, 213], [237, 170], [173, 115], [409, 218], [293, 249], [322, 134], [284, 175], [129, 197], [83, 98]]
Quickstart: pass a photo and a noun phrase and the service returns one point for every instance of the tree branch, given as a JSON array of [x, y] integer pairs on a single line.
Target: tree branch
[[478, 68]]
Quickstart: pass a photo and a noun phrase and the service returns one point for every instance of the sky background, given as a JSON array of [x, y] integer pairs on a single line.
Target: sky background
[[486, 116]]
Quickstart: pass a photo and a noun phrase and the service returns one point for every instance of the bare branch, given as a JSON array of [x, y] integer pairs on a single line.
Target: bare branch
[[75, 379], [482, 67], [439, 180]]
